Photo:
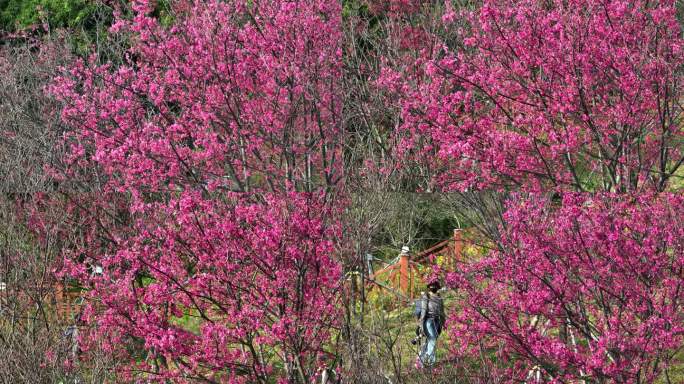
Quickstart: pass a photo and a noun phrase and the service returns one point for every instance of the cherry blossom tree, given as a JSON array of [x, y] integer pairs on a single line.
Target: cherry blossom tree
[[582, 95], [202, 173], [590, 289], [572, 108]]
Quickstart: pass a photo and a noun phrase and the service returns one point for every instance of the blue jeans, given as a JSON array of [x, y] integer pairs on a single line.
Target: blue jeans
[[427, 352]]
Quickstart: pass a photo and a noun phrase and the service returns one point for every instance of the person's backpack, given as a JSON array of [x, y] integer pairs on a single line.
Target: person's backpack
[[417, 308]]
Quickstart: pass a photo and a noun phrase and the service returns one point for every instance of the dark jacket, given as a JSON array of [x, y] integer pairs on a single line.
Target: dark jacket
[[432, 306]]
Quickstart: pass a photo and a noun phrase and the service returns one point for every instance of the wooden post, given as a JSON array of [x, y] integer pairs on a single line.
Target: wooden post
[[59, 299], [412, 281], [404, 273], [458, 247]]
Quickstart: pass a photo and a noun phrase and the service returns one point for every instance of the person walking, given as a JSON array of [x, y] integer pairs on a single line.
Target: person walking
[[431, 321]]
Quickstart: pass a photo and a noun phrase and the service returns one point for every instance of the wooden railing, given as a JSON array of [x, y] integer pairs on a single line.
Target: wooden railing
[[401, 276], [60, 305], [68, 303]]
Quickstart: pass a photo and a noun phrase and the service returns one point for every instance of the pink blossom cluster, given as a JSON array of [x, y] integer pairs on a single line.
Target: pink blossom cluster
[[208, 159], [208, 287], [579, 99], [590, 287], [579, 94]]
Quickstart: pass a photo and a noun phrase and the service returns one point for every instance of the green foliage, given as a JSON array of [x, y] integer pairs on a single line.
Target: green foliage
[[19, 14], [356, 8], [190, 321], [417, 220], [162, 11], [85, 17]]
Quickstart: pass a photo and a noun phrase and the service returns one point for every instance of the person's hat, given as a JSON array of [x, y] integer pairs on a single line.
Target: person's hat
[[434, 282]]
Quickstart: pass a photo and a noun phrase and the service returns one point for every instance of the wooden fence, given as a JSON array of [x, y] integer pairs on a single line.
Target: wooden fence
[[402, 276]]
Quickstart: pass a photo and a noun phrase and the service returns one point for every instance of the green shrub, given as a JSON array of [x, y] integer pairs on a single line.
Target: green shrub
[[19, 14]]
